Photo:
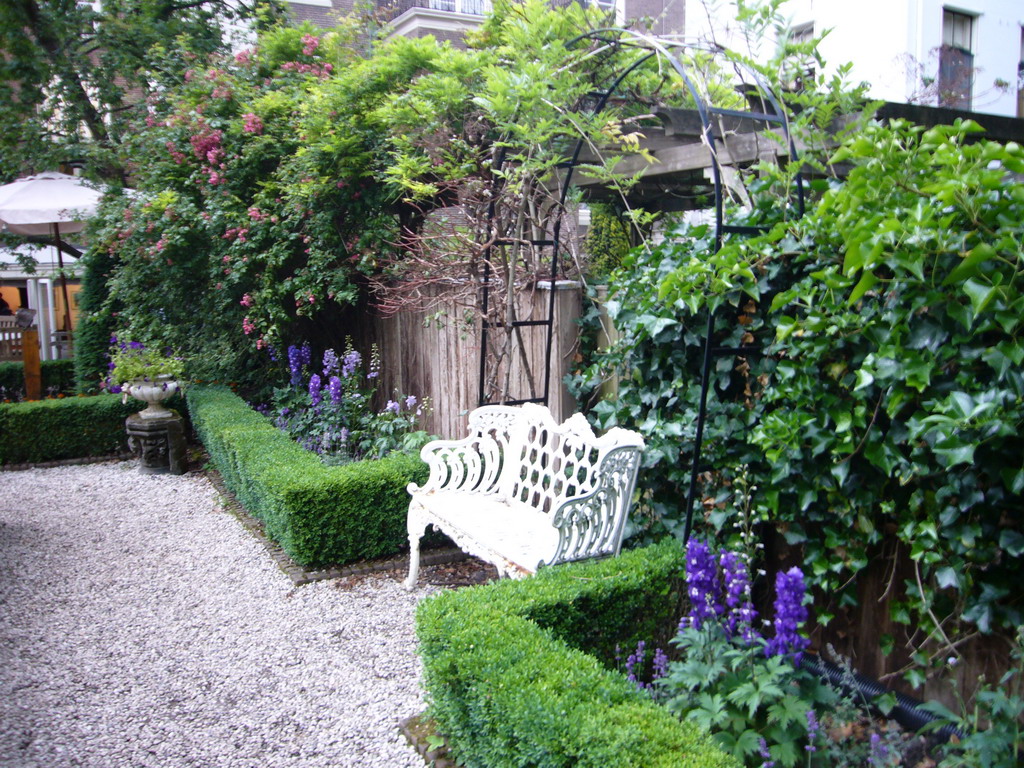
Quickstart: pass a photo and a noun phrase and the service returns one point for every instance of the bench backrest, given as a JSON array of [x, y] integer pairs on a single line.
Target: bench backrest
[[532, 459]]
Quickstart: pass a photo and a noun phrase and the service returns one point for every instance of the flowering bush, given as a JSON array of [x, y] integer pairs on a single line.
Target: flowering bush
[[252, 214], [750, 691], [134, 361], [330, 410]]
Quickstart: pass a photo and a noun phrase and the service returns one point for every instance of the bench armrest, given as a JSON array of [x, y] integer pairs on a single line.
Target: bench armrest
[[591, 524], [470, 464]]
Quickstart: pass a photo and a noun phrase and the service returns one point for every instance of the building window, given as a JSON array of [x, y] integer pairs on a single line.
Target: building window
[[956, 60]]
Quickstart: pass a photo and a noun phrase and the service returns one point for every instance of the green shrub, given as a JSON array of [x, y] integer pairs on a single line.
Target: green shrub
[[607, 242], [507, 689], [98, 320], [74, 427], [58, 378], [320, 515]]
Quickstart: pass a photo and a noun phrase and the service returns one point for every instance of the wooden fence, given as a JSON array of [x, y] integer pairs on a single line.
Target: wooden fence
[[10, 342], [436, 355]]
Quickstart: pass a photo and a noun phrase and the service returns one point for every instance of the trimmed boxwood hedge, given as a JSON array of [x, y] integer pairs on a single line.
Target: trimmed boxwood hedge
[[68, 428], [58, 378], [513, 676], [320, 515]]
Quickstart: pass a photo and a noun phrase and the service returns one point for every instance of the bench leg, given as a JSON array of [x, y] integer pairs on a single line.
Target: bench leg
[[416, 528]]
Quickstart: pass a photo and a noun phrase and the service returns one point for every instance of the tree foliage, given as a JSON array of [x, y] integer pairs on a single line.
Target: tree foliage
[[74, 78]]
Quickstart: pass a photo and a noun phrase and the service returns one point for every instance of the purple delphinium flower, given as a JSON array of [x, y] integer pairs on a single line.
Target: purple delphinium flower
[[740, 609], [702, 585], [334, 388], [136, 345], [315, 393], [762, 748], [343, 435], [330, 363], [295, 364], [350, 363], [306, 354], [392, 406], [410, 402], [812, 731], [790, 613]]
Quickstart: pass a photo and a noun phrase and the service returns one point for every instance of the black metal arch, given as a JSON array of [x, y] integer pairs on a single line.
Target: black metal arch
[[664, 47]]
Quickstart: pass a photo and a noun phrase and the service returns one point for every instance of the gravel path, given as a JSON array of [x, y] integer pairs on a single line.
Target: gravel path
[[141, 626]]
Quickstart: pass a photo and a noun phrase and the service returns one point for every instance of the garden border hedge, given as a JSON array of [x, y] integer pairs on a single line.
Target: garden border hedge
[[517, 672], [320, 515], [66, 428], [57, 375]]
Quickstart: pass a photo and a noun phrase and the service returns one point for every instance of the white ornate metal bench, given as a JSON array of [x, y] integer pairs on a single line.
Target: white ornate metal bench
[[522, 491]]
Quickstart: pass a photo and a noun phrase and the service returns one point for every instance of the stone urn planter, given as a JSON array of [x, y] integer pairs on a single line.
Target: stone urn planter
[[153, 393], [156, 434]]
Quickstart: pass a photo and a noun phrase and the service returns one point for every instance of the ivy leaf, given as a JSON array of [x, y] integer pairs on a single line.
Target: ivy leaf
[[1012, 542], [655, 325], [971, 263], [980, 295], [1014, 479], [864, 379], [866, 283], [959, 454], [854, 258], [947, 577]]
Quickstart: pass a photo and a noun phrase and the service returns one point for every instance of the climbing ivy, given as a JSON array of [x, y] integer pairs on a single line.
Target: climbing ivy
[[888, 403]]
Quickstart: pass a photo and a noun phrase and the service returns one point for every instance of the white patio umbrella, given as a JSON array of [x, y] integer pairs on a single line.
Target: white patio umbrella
[[34, 205], [46, 204]]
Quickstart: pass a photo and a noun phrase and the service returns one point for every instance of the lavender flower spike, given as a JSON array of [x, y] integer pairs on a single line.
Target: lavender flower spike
[[660, 666], [790, 614], [812, 731], [634, 660]]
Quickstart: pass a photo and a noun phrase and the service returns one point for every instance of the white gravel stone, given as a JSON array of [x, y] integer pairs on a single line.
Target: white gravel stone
[[142, 626]]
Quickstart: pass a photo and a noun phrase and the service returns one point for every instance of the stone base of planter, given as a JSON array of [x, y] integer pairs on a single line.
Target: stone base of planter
[[158, 443]]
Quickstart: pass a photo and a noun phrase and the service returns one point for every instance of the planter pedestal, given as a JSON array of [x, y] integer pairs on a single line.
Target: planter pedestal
[[158, 442]]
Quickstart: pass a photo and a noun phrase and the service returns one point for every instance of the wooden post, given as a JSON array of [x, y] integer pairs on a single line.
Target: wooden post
[[33, 372]]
